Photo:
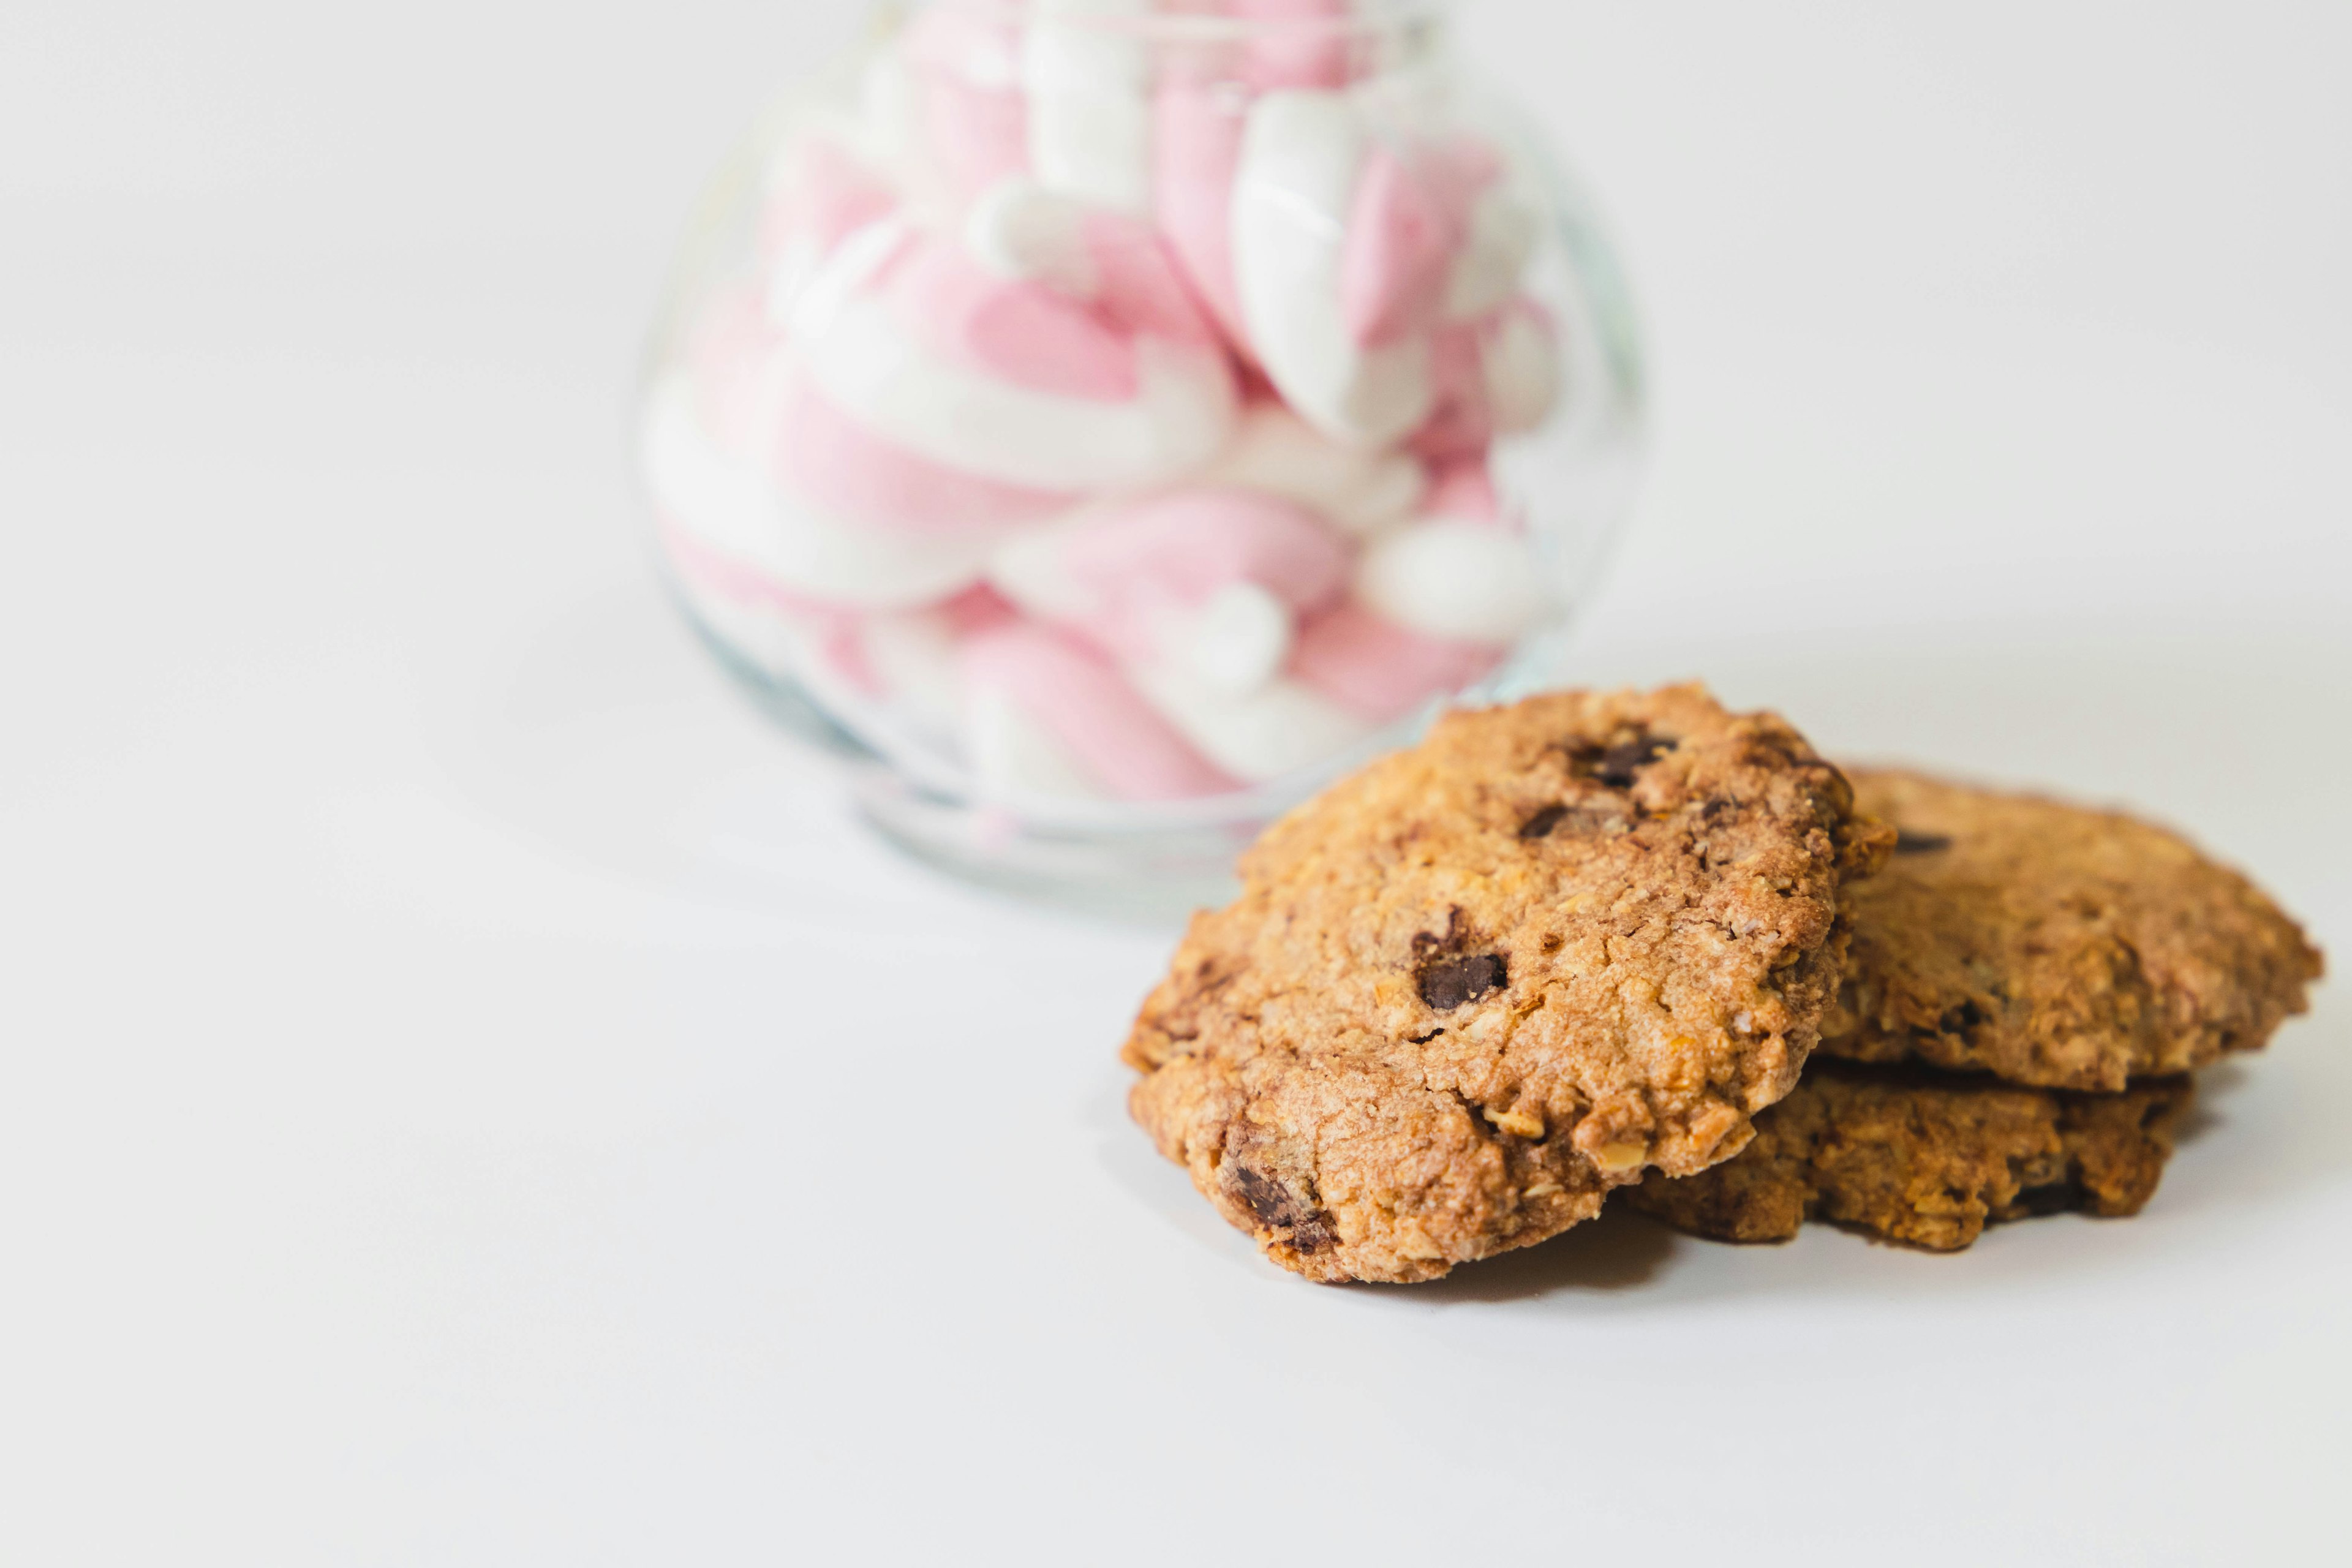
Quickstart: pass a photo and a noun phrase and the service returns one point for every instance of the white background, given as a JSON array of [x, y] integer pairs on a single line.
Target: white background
[[468, 1095]]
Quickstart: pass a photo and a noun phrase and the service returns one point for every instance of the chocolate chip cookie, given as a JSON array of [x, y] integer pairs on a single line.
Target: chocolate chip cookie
[[1471, 990], [1926, 1158], [2052, 945]]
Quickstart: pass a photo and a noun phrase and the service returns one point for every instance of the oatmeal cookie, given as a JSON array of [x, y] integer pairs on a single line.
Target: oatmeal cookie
[[2052, 945], [1926, 1158], [1469, 991]]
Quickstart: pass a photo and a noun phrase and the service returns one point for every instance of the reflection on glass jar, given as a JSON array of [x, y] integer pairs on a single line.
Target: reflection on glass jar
[[1104, 422]]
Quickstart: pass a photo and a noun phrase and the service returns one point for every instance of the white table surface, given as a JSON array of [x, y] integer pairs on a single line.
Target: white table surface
[[468, 1095]]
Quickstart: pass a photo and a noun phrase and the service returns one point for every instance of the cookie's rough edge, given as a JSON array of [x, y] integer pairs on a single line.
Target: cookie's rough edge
[[2098, 1154]]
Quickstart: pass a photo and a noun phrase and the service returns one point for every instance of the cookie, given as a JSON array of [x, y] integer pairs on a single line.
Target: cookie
[[1926, 1158], [1468, 992], [2052, 945]]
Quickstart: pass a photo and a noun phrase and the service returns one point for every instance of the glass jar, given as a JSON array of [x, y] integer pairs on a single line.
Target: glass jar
[[1102, 423]]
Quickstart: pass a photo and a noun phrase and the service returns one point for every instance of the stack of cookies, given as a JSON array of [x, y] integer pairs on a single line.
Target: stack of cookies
[[1627, 940]]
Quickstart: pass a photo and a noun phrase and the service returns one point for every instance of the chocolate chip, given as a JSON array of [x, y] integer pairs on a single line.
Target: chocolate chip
[[1909, 843], [1449, 984], [1429, 941], [1621, 761], [1540, 825], [1313, 1234], [1268, 1200], [1959, 1020], [1423, 1039]]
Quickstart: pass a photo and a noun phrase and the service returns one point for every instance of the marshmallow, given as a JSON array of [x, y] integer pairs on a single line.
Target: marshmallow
[[819, 192], [1301, 154], [1196, 152], [1199, 114], [822, 457], [795, 548], [1301, 44], [952, 88], [1495, 377], [1279, 728], [1454, 581], [731, 353], [1379, 671], [1209, 581], [912, 659], [1464, 488], [1434, 606], [1351, 258], [1045, 714], [1087, 70], [1115, 412], [1199, 595], [1358, 491], [1240, 637], [1016, 381]]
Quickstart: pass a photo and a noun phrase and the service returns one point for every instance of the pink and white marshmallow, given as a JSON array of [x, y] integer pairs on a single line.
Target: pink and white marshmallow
[[1047, 714], [821, 190], [839, 528], [1362, 491], [1199, 595], [1351, 254], [1093, 371], [1211, 582], [1087, 71], [1434, 606]]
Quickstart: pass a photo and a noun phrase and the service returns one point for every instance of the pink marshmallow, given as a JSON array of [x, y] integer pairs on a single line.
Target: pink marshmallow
[[1495, 376], [1133, 577], [1407, 230], [825, 457], [1463, 488], [1199, 114], [1027, 334], [823, 194], [979, 608], [974, 121], [1139, 286], [1189, 545], [1087, 370], [1381, 672], [1304, 43], [1078, 698], [1197, 144]]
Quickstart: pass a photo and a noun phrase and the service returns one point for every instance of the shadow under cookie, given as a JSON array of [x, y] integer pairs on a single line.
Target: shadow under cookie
[[1927, 1159]]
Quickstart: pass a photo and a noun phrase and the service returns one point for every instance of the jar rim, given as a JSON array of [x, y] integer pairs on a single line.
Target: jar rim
[[1365, 17]]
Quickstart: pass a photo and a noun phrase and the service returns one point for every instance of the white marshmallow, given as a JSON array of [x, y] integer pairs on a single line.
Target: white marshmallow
[[1466, 582], [1301, 154], [1032, 569], [1012, 755], [1089, 80], [1240, 640], [868, 365], [1276, 730], [1275, 452], [732, 508], [1018, 229]]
